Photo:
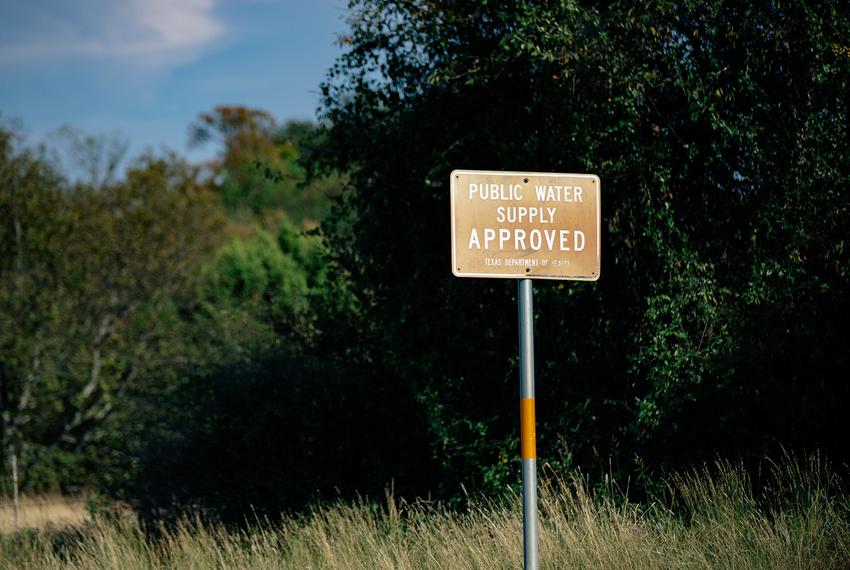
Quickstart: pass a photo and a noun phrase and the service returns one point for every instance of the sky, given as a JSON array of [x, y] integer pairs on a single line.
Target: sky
[[145, 69]]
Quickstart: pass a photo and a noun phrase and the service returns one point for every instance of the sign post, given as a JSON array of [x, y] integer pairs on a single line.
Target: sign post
[[526, 225], [528, 435]]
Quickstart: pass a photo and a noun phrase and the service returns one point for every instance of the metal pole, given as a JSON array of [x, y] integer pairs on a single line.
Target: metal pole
[[528, 435]]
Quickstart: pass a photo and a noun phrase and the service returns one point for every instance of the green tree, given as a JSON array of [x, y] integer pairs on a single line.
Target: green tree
[[720, 134], [91, 285], [270, 281], [259, 170]]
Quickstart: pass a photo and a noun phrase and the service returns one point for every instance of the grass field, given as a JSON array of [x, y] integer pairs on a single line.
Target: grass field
[[799, 520], [42, 513]]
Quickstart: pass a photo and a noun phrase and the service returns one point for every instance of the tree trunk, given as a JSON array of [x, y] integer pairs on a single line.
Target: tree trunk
[[13, 459]]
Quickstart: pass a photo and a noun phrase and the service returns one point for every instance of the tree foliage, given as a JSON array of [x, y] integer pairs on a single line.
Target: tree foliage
[[259, 169], [223, 341], [264, 409], [91, 281], [720, 134]]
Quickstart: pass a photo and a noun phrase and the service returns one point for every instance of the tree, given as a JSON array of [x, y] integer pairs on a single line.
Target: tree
[[259, 170], [91, 282], [720, 134], [95, 159]]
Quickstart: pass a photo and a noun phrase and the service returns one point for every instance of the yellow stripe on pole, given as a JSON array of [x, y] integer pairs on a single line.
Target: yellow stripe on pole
[[527, 434]]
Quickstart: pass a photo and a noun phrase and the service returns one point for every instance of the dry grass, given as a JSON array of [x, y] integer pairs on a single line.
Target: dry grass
[[42, 513], [707, 521]]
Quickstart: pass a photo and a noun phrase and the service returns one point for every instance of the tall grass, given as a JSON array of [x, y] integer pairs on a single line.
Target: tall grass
[[42, 512], [710, 519]]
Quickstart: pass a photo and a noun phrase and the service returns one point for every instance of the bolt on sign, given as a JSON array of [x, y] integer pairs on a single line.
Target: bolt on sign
[[525, 225]]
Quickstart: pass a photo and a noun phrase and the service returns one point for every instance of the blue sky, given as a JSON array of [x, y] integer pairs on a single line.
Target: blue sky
[[147, 68]]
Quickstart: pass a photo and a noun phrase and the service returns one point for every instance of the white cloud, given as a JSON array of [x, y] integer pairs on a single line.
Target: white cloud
[[146, 32]]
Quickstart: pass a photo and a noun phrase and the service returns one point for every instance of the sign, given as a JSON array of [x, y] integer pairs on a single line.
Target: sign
[[525, 225]]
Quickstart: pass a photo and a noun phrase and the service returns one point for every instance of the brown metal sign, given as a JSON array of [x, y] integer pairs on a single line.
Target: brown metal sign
[[525, 225]]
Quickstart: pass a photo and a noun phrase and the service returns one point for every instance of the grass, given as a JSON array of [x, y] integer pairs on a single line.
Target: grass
[[42, 513], [799, 520]]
